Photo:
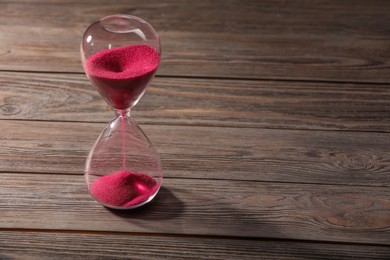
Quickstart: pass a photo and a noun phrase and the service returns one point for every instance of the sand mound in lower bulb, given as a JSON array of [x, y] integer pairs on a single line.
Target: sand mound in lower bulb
[[124, 189]]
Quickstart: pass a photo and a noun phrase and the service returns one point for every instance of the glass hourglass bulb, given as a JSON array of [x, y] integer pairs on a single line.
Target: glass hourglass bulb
[[120, 56]]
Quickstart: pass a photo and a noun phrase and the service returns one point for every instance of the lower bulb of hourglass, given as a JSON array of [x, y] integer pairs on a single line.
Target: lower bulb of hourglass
[[123, 171]]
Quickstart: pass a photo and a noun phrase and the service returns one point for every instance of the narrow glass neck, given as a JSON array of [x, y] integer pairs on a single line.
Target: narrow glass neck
[[125, 112]]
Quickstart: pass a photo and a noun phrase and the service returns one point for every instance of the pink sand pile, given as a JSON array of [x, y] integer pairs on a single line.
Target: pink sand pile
[[124, 189]]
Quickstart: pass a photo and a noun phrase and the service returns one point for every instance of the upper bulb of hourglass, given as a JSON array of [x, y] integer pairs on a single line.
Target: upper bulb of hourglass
[[120, 56]]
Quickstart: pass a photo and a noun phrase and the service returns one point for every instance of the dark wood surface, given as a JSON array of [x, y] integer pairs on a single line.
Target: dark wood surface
[[272, 119]]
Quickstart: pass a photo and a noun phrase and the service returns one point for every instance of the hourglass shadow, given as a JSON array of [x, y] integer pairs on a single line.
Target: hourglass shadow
[[164, 206]]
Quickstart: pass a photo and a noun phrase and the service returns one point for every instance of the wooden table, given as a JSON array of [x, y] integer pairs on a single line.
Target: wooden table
[[272, 119]]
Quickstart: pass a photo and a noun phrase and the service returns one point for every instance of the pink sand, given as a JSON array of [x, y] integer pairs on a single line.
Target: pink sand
[[121, 75], [124, 189]]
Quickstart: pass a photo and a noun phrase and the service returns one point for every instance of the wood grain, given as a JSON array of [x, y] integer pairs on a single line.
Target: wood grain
[[271, 118], [206, 102], [304, 40], [203, 207], [43, 245], [351, 158]]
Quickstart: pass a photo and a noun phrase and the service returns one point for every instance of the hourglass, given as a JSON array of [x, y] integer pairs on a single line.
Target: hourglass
[[120, 56]]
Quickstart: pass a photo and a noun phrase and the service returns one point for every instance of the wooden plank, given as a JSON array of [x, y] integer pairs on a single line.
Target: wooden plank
[[44, 245], [240, 39], [204, 207], [351, 158], [210, 102]]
